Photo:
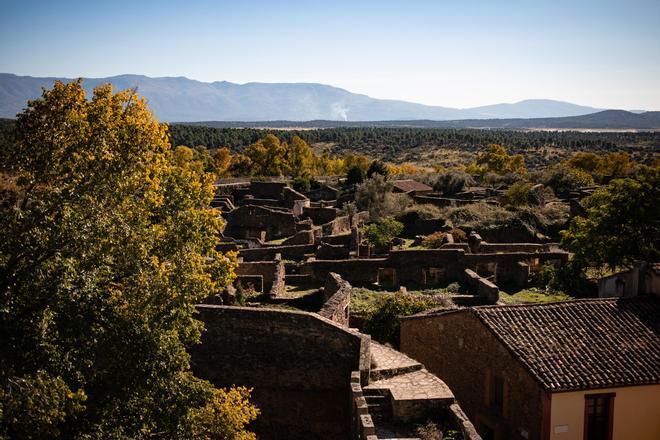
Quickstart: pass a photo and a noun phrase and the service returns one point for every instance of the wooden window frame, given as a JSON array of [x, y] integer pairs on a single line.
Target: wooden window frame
[[610, 428]]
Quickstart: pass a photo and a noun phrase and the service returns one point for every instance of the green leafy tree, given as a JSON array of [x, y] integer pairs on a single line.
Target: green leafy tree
[[355, 175], [622, 223], [383, 323], [377, 167], [107, 243], [381, 233]]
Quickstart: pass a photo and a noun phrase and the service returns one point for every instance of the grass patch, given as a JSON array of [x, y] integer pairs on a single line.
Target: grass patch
[[277, 242], [298, 291], [533, 296], [364, 299]]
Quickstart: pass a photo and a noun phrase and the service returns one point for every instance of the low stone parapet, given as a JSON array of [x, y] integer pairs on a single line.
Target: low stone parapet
[[481, 287]]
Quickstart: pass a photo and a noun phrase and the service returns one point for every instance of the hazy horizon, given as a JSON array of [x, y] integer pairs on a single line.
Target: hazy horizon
[[599, 54]]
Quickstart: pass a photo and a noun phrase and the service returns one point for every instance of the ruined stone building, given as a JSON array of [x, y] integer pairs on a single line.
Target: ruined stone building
[[313, 377], [582, 369]]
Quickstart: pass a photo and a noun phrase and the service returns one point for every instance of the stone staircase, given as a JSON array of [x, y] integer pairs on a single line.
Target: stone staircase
[[379, 404], [400, 389]]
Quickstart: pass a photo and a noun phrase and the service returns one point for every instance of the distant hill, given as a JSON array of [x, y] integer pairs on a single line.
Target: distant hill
[[607, 119], [185, 100], [533, 108]]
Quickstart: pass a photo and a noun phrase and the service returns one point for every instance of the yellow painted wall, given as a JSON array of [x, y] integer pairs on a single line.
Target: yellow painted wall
[[636, 413]]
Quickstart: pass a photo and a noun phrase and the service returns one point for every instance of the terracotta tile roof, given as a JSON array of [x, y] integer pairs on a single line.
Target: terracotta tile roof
[[410, 185], [582, 344]]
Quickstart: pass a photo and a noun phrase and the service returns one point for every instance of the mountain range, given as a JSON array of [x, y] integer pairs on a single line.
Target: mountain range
[[179, 99], [603, 120]]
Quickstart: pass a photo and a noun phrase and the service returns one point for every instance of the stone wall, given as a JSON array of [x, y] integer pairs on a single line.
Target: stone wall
[[337, 226], [337, 297], [491, 248], [271, 273], [481, 287], [292, 252], [301, 237], [295, 201], [332, 252], [427, 266], [423, 226], [506, 267], [326, 192], [267, 190], [440, 202], [249, 220], [298, 363], [341, 239], [355, 271], [433, 266], [457, 347], [320, 215]]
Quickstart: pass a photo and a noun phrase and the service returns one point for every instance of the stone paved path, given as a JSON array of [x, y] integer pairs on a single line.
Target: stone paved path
[[387, 362], [399, 389], [416, 385]]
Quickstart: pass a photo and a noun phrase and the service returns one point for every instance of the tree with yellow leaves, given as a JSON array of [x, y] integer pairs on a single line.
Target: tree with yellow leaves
[[267, 156], [497, 160], [222, 161], [299, 159], [107, 243]]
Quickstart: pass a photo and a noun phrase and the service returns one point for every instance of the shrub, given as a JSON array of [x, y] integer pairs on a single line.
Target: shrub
[[244, 293], [375, 195], [545, 276], [562, 179], [452, 182], [539, 195], [478, 215], [302, 184], [429, 431], [453, 288], [518, 193], [349, 209], [548, 219], [494, 179], [459, 235], [384, 322], [415, 212], [435, 240], [381, 233]]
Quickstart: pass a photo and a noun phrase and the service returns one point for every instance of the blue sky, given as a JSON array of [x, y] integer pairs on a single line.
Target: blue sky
[[459, 53]]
